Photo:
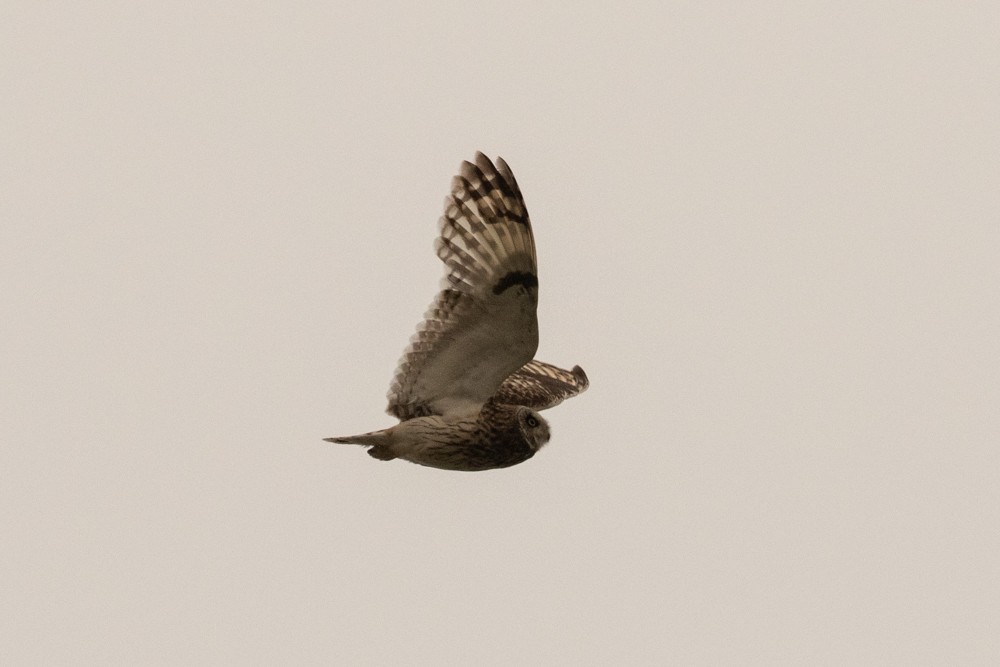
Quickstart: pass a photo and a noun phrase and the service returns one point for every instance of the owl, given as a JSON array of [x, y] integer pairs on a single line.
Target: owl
[[467, 390]]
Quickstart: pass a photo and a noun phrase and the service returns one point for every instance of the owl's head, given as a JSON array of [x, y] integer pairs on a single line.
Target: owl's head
[[534, 429]]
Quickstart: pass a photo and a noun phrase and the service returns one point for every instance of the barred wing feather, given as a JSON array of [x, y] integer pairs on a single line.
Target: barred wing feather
[[541, 386]]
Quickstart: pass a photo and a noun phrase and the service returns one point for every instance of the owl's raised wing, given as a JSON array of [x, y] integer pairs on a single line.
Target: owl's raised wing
[[541, 386], [482, 326]]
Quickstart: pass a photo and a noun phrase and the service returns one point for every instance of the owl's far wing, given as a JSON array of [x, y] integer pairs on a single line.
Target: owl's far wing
[[482, 326], [541, 386]]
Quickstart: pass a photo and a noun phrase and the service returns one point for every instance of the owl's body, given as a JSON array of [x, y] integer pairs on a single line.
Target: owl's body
[[466, 389], [498, 436]]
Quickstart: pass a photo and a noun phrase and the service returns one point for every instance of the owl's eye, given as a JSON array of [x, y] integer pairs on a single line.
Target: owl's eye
[[532, 422]]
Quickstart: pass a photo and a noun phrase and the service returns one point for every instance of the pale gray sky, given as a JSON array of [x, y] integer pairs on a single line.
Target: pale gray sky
[[769, 232]]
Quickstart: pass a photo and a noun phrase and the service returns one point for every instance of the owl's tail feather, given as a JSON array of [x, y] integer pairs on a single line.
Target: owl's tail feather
[[377, 440]]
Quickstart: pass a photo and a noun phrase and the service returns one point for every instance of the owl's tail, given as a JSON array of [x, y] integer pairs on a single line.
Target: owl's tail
[[377, 440]]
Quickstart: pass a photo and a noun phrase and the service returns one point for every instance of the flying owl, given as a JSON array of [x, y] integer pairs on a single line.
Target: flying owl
[[467, 389]]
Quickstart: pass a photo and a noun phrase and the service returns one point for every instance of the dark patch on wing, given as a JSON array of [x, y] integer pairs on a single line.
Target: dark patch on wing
[[529, 280]]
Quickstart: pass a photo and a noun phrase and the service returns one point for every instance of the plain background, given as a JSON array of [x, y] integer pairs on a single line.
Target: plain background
[[768, 231]]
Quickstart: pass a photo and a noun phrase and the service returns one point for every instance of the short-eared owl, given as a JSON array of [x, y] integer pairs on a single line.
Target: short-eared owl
[[467, 389]]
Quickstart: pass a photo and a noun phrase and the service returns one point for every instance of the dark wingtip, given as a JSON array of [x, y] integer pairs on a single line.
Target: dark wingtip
[[483, 162], [581, 377]]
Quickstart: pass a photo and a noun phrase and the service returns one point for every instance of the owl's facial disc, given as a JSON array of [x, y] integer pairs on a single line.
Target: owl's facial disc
[[534, 427]]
